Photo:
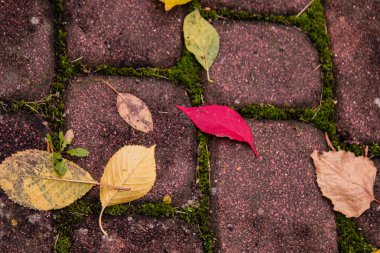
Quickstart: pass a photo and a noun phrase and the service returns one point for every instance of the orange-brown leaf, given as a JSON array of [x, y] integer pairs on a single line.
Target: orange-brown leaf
[[346, 180]]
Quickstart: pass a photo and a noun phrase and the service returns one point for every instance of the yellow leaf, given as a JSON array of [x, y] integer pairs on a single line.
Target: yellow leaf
[[131, 167], [346, 180], [201, 39], [169, 4], [135, 112], [29, 179]]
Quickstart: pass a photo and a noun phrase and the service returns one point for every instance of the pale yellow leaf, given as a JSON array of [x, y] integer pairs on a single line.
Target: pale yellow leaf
[[29, 179], [201, 39], [346, 180], [131, 167], [169, 4], [135, 112]]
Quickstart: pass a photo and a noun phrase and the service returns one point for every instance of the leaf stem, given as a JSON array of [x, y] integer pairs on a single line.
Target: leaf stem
[[329, 142], [113, 88], [110, 86], [100, 221]]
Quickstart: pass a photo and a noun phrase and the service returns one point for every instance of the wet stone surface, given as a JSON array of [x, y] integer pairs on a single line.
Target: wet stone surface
[[264, 64], [137, 33], [26, 49], [22, 229], [283, 7], [271, 203], [355, 38], [91, 112], [135, 234], [369, 221]]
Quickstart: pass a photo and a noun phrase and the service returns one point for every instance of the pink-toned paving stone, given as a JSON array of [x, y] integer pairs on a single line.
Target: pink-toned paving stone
[[271, 203], [369, 221], [284, 7], [355, 37], [264, 63], [26, 49], [22, 229], [124, 33], [135, 234], [91, 112]]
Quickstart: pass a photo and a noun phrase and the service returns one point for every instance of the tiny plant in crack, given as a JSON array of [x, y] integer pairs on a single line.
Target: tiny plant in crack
[[64, 142]]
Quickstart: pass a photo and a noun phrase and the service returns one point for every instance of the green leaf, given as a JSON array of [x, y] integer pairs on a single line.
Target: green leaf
[[79, 152], [60, 167], [61, 138], [57, 156], [201, 39]]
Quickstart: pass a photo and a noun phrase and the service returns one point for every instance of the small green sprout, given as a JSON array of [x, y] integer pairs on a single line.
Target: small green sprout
[[64, 141]]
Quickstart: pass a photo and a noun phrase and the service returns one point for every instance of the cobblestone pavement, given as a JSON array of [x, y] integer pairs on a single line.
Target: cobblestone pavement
[[293, 77]]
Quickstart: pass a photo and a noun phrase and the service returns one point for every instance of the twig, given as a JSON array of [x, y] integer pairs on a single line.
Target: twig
[[55, 242], [366, 151], [329, 142], [305, 8], [377, 201]]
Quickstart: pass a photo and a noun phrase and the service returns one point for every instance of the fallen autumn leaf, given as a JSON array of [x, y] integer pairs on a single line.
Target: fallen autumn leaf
[[220, 121], [346, 180]]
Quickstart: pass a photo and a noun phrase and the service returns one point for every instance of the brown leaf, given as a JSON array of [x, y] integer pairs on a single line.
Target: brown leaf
[[346, 180], [135, 112]]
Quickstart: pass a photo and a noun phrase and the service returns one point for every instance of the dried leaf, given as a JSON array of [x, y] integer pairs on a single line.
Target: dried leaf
[[201, 39], [131, 167], [29, 179], [169, 4], [220, 121], [135, 112], [346, 180]]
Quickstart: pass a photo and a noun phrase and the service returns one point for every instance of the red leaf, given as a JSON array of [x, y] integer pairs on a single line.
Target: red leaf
[[220, 121]]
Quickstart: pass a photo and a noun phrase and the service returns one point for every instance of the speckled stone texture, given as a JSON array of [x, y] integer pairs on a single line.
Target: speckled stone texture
[[124, 33], [355, 37], [135, 234], [283, 7], [26, 49], [22, 229], [264, 63], [271, 203], [91, 112], [369, 221]]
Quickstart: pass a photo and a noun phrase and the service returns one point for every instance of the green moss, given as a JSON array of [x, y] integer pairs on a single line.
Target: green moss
[[350, 239], [270, 112], [185, 73], [148, 209], [63, 244]]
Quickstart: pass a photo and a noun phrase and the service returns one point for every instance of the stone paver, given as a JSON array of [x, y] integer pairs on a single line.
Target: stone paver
[[136, 234], [369, 221], [22, 229], [124, 33], [264, 64], [273, 203], [26, 49], [283, 7], [91, 112], [355, 38]]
